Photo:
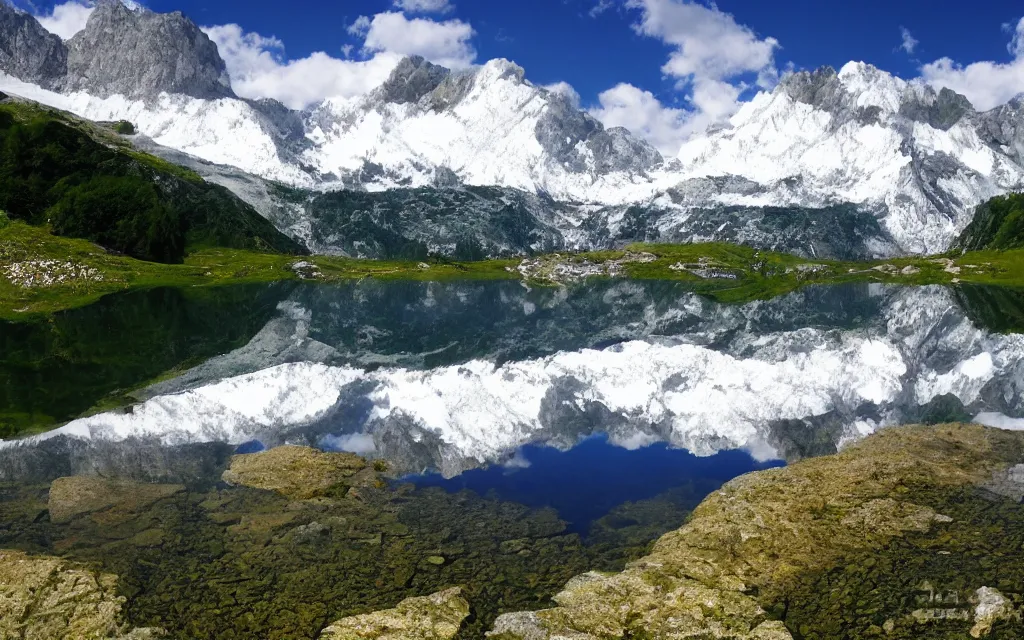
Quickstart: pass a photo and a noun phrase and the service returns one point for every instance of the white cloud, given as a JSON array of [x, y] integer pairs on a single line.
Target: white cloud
[[259, 69], [711, 54], [424, 6], [642, 113], [65, 20], [909, 43], [565, 89], [601, 7], [709, 43], [986, 84], [445, 43]]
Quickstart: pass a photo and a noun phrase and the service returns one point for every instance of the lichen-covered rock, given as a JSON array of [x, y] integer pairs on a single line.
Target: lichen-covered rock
[[297, 472], [992, 606], [77, 495], [753, 540], [435, 617], [47, 598]]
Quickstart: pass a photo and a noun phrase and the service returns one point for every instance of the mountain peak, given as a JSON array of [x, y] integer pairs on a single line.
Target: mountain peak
[[413, 78], [137, 53], [501, 69], [28, 51]]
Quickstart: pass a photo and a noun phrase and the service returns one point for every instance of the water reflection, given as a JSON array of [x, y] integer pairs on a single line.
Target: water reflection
[[53, 369], [454, 376], [591, 479]]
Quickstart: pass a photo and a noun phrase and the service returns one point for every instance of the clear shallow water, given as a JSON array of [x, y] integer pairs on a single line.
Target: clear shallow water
[[551, 431]]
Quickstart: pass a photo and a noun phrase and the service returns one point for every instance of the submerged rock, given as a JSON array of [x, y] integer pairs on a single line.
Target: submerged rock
[[47, 598], [298, 472], [435, 617], [78, 495], [761, 539]]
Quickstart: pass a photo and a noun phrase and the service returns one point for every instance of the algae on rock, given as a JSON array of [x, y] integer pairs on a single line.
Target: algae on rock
[[78, 495], [298, 472], [47, 598], [434, 617]]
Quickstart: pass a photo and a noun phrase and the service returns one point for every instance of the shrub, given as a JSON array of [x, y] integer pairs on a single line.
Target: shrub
[[124, 127]]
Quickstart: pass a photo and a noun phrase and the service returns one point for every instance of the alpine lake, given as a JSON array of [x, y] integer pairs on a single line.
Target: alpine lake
[[261, 460]]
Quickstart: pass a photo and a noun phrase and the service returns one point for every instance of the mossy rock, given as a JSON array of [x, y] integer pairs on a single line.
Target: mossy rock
[[435, 617], [73, 496], [296, 472], [49, 598]]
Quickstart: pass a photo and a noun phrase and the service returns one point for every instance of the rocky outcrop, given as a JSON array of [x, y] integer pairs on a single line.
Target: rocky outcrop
[[435, 617], [412, 79], [47, 598], [751, 544], [139, 53], [78, 495], [299, 472], [28, 51]]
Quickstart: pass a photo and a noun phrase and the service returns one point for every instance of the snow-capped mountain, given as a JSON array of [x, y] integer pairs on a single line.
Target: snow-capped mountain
[[897, 165], [919, 158]]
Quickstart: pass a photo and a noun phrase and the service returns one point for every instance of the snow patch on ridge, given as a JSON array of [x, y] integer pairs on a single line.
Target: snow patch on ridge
[[224, 131]]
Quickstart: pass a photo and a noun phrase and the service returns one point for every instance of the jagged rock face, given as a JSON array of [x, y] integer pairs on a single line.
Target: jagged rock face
[[489, 126], [140, 54], [915, 159], [28, 51], [412, 79]]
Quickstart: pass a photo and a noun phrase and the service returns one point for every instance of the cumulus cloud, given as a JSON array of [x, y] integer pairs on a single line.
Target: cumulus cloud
[[445, 43], [709, 43], [259, 69], [424, 6], [567, 90], [65, 20], [986, 84], [642, 113], [909, 43], [712, 55]]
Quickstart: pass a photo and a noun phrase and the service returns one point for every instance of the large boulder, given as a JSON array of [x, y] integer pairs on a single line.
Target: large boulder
[[47, 598], [435, 617], [298, 472]]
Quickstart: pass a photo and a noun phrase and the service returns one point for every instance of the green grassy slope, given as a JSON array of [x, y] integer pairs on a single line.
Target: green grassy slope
[[86, 182]]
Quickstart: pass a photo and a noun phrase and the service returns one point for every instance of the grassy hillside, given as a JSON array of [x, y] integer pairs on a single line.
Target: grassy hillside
[[997, 224], [83, 181]]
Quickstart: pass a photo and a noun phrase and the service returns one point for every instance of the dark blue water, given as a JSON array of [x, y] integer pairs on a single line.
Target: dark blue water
[[587, 481]]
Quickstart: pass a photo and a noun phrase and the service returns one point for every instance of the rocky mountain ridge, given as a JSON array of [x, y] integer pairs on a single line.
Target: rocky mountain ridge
[[902, 166]]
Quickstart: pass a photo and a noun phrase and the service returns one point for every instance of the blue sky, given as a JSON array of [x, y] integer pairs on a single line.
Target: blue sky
[[558, 40], [672, 66]]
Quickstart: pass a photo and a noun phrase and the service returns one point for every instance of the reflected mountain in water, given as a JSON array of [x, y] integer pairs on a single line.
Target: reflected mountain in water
[[452, 376]]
